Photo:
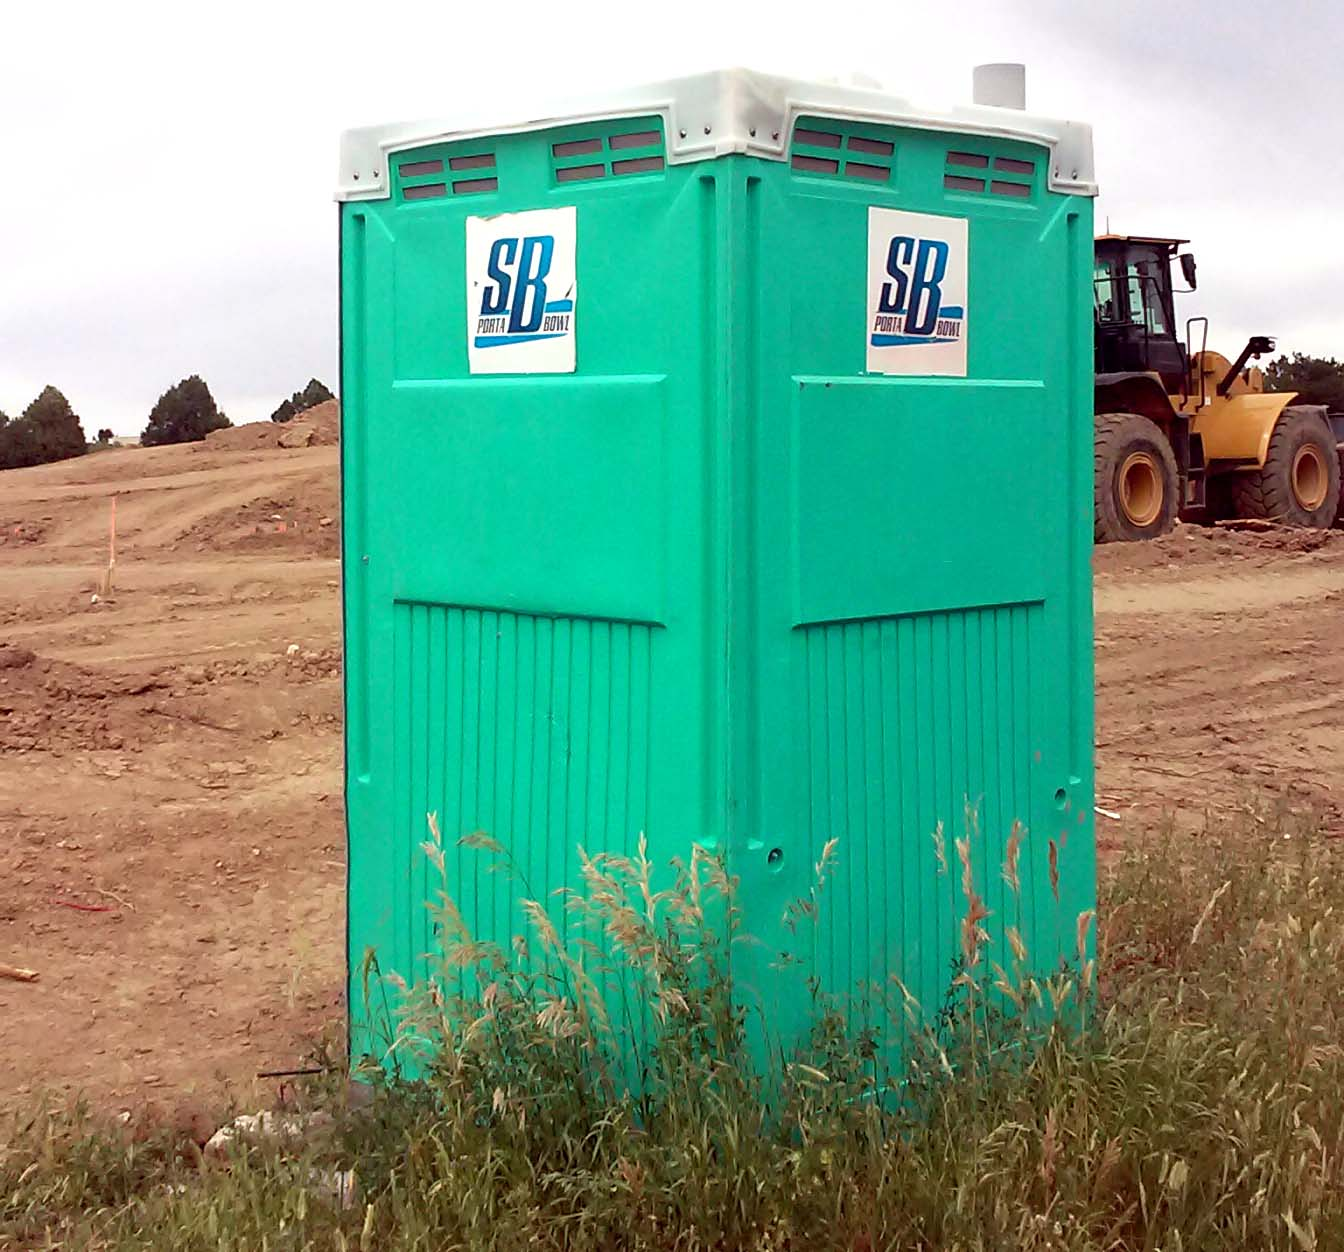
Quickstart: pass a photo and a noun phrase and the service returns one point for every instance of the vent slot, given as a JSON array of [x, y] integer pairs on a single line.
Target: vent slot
[[874, 147], [637, 165], [954, 182], [580, 173], [474, 186], [815, 138], [633, 149], [468, 173], [480, 161], [640, 139], [1009, 177], [576, 147], [841, 152], [857, 169]]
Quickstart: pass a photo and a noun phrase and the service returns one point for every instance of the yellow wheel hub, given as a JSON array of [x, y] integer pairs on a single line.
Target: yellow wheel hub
[[1311, 478], [1141, 488]]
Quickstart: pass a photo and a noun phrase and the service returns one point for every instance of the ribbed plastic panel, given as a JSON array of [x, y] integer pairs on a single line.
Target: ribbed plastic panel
[[914, 721], [534, 729]]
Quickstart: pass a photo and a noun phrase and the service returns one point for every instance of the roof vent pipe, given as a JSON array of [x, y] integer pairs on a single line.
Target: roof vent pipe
[[1003, 85]]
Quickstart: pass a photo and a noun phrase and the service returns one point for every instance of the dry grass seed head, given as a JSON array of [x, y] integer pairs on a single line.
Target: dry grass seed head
[[940, 848], [479, 841], [1012, 854], [1081, 928], [825, 862], [973, 935], [1208, 911]]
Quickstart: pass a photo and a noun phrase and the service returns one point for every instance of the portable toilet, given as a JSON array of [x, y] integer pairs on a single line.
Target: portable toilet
[[717, 465]]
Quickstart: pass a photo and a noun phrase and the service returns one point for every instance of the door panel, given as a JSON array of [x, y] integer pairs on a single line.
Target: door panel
[[920, 606]]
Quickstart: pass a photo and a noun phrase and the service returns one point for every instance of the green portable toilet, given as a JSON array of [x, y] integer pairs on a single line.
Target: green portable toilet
[[717, 465]]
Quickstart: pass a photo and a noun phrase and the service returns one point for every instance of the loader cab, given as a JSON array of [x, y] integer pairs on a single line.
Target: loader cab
[[1134, 311]]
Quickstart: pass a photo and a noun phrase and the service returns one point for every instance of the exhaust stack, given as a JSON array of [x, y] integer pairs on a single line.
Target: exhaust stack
[[1002, 85]]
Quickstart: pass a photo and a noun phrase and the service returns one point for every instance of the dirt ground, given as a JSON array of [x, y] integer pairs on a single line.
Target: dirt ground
[[1220, 677], [170, 755], [166, 761]]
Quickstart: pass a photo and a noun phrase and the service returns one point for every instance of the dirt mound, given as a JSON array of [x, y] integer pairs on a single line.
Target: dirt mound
[[1185, 545], [246, 438], [316, 427], [1295, 539], [324, 420], [48, 705], [1197, 545], [22, 532], [305, 520]]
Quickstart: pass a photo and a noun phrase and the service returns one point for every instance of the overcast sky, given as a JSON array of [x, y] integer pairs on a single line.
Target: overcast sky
[[167, 168]]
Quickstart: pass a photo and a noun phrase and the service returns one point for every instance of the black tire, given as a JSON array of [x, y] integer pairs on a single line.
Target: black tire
[[1135, 488], [1299, 483], [1339, 508]]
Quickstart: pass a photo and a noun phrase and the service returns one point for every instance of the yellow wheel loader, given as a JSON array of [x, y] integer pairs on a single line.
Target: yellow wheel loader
[[1182, 432]]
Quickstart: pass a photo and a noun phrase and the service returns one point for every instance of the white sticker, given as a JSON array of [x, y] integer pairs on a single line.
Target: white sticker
[[521, 292], [917, 311]]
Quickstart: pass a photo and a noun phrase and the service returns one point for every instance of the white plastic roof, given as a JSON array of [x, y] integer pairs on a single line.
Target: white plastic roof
[[721, 113]]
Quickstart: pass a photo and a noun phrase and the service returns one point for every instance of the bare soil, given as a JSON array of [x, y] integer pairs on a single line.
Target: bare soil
[[170, 774], [315, 427], [170, 755], [1220, 677]]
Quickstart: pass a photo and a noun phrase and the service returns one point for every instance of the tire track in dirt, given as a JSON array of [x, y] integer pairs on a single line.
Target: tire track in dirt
[[154, 510], [203, 813], [1220, 679]]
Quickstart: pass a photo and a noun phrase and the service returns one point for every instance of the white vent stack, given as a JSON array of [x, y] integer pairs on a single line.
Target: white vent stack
[[1002, 85]]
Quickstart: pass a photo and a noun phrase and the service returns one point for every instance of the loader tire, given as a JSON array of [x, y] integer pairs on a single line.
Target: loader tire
[[1339, 508], [1299, 483], [1135, 485]]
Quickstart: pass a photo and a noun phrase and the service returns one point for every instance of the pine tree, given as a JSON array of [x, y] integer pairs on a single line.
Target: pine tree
[[285, 412], [47, 430], [185, 413], [313, 394]]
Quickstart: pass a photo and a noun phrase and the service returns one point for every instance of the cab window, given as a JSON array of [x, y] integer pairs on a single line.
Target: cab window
[[1104, 291], [1144, 289]]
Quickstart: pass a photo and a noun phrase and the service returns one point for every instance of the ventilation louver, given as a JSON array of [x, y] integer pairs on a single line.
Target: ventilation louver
[[983, 174], [636, 148], [462, 174], [841, 154]]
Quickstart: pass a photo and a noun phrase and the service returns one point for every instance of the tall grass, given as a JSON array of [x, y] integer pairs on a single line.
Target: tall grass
[[1196, 1105]]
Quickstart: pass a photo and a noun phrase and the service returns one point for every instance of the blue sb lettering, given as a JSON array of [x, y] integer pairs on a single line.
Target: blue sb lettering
[[495, 298], [916, 269]]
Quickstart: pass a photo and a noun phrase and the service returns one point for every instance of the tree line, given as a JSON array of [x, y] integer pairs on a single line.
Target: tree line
[[50, 430], [1316, 379], [47, 430]]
